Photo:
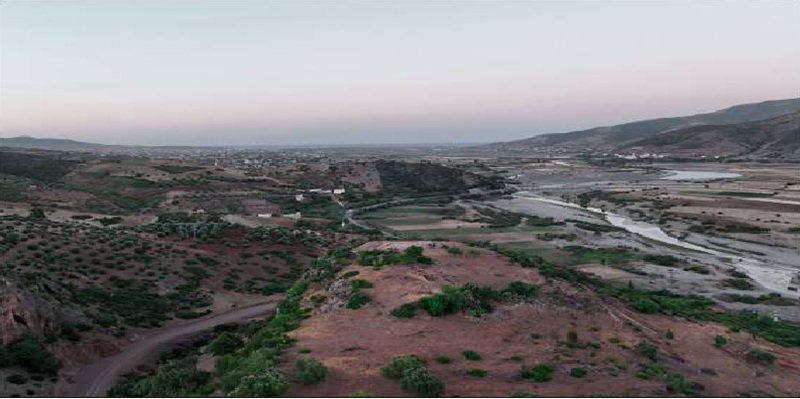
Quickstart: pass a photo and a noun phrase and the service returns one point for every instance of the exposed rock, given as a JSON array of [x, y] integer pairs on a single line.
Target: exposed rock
[[32, 310], [338, 294]]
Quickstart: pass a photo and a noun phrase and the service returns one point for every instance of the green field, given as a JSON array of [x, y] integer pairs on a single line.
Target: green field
[[457, 233]]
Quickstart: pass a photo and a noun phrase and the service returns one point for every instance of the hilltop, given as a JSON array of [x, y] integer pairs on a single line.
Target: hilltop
[[423, 318]]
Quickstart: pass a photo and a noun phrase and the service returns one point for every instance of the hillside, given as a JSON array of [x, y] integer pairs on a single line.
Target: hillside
[[609, 137], [774, 137], [443, 319]]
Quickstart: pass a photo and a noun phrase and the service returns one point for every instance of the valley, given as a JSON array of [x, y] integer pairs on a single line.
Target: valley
[[108, 259]]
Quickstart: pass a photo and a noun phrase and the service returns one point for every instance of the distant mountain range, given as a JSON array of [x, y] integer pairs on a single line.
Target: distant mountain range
[[80, 146], [50, 144], [626, 136]]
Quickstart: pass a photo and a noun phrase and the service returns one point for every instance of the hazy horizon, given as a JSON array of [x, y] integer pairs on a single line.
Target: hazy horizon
[[352, 72]]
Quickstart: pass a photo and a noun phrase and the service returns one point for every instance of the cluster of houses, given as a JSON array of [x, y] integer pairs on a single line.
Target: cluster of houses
[[301, 197]]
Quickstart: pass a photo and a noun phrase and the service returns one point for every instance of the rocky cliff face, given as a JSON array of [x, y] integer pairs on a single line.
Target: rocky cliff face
[[31, 310]]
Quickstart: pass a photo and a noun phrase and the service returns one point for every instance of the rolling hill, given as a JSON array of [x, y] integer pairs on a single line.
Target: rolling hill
[[774, 137], [608, 138]]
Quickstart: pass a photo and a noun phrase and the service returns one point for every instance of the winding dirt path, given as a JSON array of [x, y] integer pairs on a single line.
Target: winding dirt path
[[96, 379]]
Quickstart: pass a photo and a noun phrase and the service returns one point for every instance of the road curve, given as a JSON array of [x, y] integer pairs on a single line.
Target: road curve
[[96, 379]]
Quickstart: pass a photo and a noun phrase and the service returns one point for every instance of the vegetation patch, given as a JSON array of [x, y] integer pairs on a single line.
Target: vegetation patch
[[309, 371], [378, 258], [539, 373]]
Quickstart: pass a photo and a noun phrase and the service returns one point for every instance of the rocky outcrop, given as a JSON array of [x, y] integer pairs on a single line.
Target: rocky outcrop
[[31, 310]]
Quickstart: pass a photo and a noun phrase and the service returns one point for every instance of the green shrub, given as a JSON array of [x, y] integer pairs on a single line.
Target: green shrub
[[422, 382], [357, 300], [406, 311], [739, 284], [468, 297], [471, 355], [268, 383], [309, 371], [304, 350], [522, 288], [399, 364], [662, 260], [578, 372], [524, 394], [17, 379], [761, 356], [720, 341], [359, 284], [455, 251], [539, 373], [351, 273], [360, 394], [677, 383], [105, 320], [442, 359], [480, 373], [225, 343], [30, 353], [645, 306], [176, 378], [650, 370], [648, 350]]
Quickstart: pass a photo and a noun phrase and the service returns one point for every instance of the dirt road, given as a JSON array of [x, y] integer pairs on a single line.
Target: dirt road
[[96, 379]]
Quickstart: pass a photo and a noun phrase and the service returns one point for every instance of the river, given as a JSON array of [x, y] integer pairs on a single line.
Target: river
[[773, 277], [697, 175]]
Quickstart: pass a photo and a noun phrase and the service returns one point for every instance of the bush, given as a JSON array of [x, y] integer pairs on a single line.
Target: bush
[[309, 371], [662, 260], [406, 311], [268, 383], [539, 373], [357, 300], [645, 306], [467, 297], [677, 383], [359, 284], [522, 289], [650, 370], [442, 359], [471, 355], [105, 320], [17, 379], [648, 350], [176, 378], [223, 344], [524, 394], [578, 372], [720, 341], [480, 373], [361, 394], [422, 382], [739, 284], [400, 364], [455, 251], [351, 273], [761, 356], [30, 354]]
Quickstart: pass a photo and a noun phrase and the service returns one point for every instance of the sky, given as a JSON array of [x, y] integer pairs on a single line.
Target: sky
[[242, 72]]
